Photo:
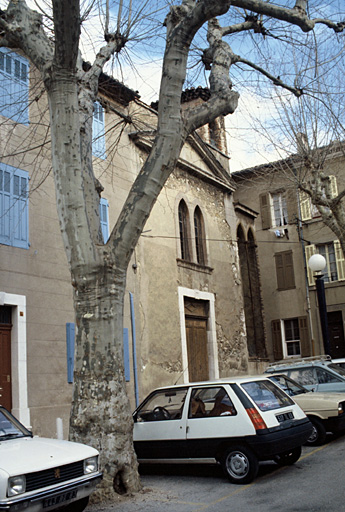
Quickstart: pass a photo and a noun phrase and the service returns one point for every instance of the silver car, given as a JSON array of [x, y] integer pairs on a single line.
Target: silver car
[[314, 373]]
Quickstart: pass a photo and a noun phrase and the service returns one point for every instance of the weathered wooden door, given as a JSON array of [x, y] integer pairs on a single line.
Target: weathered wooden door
[[336, 334], [196, 335], [5, 367]]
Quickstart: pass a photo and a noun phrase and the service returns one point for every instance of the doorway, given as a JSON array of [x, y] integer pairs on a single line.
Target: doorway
[[196, 317], [336, 334], [5, 357]]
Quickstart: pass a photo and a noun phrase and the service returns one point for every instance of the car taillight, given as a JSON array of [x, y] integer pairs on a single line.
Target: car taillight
[[256, 418]]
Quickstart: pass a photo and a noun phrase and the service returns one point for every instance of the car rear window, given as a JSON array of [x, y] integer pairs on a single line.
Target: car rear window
[[266, 395]]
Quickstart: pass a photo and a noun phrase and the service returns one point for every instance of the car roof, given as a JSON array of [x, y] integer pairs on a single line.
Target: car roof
[[301, 361], [225, 380]]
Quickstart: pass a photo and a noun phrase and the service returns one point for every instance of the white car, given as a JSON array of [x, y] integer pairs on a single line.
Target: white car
[[38, 474], [236, 422]]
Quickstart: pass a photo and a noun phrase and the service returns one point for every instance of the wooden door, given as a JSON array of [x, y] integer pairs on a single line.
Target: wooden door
[[196, 331], [336, 334], [5, 367]]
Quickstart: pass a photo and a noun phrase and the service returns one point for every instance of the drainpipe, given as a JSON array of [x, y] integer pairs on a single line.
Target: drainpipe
[[134, 350], [300, 230]]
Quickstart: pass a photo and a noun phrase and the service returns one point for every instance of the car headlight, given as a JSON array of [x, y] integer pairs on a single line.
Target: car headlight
[[90, 465], [16, 485], [341, 407]]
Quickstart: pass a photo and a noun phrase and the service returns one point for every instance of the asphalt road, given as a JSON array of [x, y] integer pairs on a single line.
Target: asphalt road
[[316, 483]]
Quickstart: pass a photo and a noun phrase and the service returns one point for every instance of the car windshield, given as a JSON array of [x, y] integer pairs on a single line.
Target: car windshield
[[267, 395], [10, 428], [338, 369], [291, 387]]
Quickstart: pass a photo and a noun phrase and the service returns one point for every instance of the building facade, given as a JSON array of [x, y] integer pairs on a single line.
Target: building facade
[[288, 231], [184, 313]]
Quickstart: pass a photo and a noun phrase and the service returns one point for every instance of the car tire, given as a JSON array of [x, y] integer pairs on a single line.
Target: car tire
[[240, 464], [288, 458], [318, 435], [77, 506]]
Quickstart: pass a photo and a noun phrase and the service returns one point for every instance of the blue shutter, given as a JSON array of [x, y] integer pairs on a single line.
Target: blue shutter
[[70, 340], [14, 210], [14, 86], [104, 218], [126, 355], [98, 136]]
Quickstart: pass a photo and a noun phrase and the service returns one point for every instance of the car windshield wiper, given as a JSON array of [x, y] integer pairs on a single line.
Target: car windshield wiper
[[11, 435]]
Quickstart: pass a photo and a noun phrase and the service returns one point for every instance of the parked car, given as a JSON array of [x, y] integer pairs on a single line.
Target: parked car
[[340, 362], [43, 474], [236, 422], [314, 373], [326, 411]]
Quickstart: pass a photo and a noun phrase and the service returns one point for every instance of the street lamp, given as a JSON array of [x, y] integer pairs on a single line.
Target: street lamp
[[317, 263]]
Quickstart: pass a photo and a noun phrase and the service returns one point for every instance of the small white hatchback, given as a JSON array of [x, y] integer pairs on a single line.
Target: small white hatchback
[[38, 474], [236, 422]]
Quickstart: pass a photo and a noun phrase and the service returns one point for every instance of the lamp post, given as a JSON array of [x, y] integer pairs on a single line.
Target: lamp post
[[317, 263]]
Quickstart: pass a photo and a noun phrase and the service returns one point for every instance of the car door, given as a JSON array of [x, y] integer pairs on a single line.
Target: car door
[[214, 414], [306, 376], [328, 381], [160, 425]]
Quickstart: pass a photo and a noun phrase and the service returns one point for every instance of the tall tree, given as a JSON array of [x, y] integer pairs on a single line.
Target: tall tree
[[100, 413]]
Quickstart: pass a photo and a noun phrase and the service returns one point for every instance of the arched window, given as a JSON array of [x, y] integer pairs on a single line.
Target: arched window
[[183, 219], [199, 231]]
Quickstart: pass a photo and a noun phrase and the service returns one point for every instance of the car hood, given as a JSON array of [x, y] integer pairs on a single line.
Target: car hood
[[318, 400], [30, 454]]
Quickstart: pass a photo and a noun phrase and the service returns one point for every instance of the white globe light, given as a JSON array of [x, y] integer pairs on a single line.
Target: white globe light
[[317, 263]]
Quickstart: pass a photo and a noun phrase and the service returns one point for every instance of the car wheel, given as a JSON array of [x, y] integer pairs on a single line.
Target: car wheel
[[288, 458], [77, 506], [318, 435], [240, 464]]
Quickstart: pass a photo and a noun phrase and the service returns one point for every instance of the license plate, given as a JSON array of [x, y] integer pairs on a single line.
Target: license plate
[[59, 498], [285, 416]]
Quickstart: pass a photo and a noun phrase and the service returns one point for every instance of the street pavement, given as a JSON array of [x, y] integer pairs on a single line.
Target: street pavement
[[314, 484]]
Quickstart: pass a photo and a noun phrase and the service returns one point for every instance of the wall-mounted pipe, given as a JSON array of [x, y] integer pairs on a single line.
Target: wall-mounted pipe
[[134, 350]]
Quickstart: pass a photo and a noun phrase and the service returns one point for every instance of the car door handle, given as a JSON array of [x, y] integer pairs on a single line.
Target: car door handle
[[187, 430]]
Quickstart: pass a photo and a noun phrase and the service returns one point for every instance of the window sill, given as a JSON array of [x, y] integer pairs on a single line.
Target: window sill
[[331, 284], [194, 266]]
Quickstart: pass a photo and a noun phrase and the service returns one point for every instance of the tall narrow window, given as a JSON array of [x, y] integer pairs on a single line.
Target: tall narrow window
[[14, 214], [328, 252], [14, 86], [183, 218], [98, 142], [280, 209], [292, 337], [199, 231], [104, 218]]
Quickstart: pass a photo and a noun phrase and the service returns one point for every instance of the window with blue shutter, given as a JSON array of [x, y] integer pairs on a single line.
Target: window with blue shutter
[[14, 86], [14, 209], [104, 218], [70, 345], [70, 337], [98, 136]]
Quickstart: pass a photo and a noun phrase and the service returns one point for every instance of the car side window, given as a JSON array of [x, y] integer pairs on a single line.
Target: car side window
[[210, 402], [162, 405], [325, 377], [305, 376]]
